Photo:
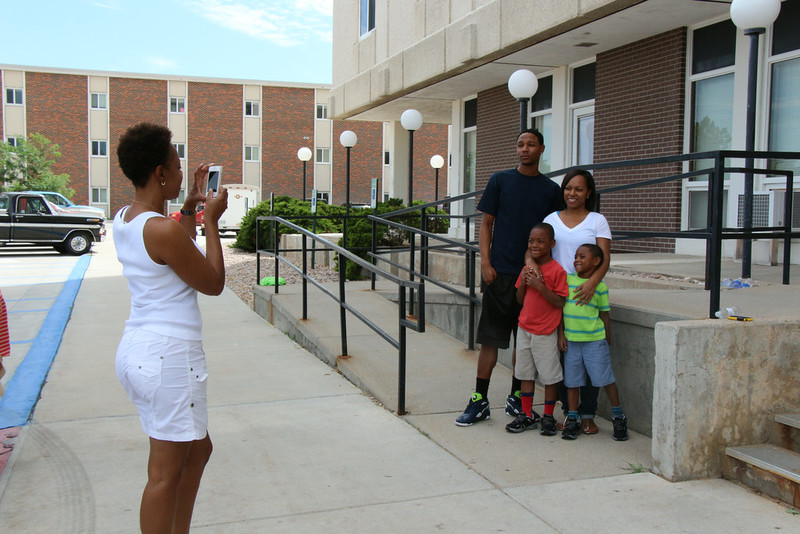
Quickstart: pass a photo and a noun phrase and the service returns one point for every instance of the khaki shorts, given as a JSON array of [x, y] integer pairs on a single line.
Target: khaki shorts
[[538, 357]]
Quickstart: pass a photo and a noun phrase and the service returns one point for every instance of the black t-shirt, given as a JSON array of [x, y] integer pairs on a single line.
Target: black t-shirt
[[518, 202]]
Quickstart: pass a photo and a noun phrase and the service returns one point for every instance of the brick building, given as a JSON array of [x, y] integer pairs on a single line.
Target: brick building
[[252, 128], [618, 80]]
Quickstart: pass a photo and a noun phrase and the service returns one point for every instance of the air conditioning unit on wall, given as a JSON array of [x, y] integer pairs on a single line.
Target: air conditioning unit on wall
[[768, 209]]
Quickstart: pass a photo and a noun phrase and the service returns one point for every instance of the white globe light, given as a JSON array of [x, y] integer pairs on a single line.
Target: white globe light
[[523, 84], [437, 161], [411, 119], [348, 139], [748, 14], [304, 154]]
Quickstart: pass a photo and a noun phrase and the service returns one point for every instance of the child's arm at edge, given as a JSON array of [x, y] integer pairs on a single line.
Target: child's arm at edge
[[606, 318]]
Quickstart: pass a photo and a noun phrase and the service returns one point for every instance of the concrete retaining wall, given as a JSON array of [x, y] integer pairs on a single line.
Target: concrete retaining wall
[[321, 258], [719, 384]]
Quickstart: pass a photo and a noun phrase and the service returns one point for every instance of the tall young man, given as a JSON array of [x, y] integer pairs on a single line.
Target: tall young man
[[514, 201]]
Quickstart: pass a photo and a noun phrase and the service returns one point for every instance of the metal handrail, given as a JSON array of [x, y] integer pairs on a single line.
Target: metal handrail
[[404, 322]]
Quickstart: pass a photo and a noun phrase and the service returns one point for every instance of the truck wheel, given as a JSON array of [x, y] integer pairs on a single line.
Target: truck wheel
[[78, 243]]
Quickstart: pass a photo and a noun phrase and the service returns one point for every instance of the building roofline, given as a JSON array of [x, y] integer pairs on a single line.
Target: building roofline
[[170, 77]]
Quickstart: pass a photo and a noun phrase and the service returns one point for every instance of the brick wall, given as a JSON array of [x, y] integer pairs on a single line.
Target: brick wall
[[2, 122], [498, 129], [366, 161], [639, 113], [430, 139], [57, 107], [288, 120], [215, 119], [130, 101]]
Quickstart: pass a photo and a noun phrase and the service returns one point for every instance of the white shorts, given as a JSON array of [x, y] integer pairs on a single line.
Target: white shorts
[[165, 377], [538, 357]]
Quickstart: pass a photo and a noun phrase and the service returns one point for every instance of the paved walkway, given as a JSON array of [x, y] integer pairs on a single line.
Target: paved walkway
[[298, 448]]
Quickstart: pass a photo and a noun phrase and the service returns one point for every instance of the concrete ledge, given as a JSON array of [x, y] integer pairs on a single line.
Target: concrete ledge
[[719, 384]]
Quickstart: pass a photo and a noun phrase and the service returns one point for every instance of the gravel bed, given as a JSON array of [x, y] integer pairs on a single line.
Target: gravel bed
[[240, 272]]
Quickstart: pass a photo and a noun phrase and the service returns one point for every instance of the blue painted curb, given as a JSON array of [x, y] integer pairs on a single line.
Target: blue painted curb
[[24, 388]]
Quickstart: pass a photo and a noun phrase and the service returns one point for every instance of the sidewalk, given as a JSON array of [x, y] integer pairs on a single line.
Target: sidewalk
[[298, 448]]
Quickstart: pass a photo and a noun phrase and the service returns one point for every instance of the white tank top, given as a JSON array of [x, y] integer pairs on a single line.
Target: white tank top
[[160, 301]]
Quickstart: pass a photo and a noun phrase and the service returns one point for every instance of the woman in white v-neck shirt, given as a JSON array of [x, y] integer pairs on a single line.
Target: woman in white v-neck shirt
[[574, 226], [160, 360]]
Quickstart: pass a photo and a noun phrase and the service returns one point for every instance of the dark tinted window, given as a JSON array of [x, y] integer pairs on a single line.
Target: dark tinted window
[[471, 113], [543, 99], [713, 47], [583, 83], [785, 36]]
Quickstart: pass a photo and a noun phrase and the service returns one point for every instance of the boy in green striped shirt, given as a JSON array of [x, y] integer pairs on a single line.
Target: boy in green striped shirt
[[584, 336]]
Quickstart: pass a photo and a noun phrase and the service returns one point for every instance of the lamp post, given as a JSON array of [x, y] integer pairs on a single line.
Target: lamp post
[[437, 162], [753, 17], [523, 85], [411, 119], [304, 154], [348, 140]]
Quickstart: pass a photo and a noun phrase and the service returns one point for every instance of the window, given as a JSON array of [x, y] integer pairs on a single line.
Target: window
[[784, 102], [99, 195], [13, 141], [470, 148], [98, 148], [322, 196], [367, 20], [13, 96], [322, 111], [98, 101], [387, 157], [177, 105], [582, 114], [181, 149], [323, 155], [542, 116], [251, 153], [251, 108]]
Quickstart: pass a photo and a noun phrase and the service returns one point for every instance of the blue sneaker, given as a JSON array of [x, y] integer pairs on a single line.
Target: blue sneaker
[[513, 406], [477, 410]]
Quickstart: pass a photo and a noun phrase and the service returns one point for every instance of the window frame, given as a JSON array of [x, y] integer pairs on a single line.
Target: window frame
[[325, 152], [180, 148], [323, 108], [252, 104], [100, 96], [16, 95], [97, 146], [101, 191], [252, 153], [178, 108], [366, 7]]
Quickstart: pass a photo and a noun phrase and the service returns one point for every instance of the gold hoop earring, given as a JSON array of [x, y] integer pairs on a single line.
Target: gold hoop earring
[[163, 182]]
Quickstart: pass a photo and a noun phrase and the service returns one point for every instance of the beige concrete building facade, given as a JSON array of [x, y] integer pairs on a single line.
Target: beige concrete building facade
[[675, 70]]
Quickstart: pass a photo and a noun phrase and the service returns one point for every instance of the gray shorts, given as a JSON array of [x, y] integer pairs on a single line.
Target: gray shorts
[[538, 356]]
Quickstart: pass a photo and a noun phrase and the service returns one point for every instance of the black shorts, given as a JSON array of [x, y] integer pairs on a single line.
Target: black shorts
[[499, 312]]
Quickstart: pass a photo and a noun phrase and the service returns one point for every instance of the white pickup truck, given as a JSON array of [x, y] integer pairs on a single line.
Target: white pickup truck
[[241, 199]]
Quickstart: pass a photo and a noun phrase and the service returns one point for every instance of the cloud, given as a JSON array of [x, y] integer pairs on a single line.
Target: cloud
[[160, 63], [281, 22]]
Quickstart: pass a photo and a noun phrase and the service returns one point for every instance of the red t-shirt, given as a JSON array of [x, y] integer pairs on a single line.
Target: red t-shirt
[[538, 316]]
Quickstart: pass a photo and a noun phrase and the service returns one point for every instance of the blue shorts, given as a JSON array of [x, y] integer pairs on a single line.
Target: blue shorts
[[590, 358]]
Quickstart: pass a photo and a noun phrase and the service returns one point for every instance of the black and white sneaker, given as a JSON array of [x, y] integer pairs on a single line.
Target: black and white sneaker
[[521, 424]]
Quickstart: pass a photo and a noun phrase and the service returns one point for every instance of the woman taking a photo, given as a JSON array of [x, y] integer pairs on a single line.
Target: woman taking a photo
[[579, 223], [160, 360]]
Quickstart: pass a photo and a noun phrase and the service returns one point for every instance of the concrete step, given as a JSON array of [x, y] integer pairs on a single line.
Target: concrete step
[[772, 470], [788, 419]]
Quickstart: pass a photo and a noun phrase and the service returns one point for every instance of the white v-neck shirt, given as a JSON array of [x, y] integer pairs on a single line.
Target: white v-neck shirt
[[569, 239]]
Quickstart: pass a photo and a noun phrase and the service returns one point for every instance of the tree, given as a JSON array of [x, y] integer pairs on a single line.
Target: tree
[[29, 166]]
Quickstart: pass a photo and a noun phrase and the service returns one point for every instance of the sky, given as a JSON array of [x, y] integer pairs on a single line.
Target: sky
[[269, 40]]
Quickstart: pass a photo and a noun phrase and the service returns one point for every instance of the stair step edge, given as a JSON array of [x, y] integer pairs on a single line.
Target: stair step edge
[[788, 419], [782, 462]]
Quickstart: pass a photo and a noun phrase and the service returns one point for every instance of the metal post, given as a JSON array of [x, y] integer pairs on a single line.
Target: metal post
[[305, 279], [715, 256], [523, 114], [412, 247], [304, 180], [750, 143], [342, 310], [401, 359], [787, 227], [275, 251]]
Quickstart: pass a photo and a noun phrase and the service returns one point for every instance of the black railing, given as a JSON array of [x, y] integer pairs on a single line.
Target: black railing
[[404, 322]]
